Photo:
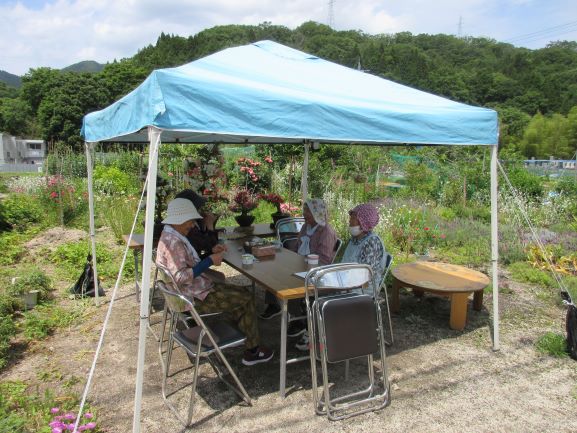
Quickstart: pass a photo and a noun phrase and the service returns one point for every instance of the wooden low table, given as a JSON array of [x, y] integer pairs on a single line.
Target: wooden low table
[[453, 281]]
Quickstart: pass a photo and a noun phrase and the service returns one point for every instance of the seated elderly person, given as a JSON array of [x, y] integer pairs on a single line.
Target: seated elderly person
[[365, 247], [203, 236], [188, 270], [316, 237]]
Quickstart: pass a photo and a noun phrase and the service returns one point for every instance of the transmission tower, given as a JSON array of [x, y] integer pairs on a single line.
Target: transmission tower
[[331, 13], [460, 27]]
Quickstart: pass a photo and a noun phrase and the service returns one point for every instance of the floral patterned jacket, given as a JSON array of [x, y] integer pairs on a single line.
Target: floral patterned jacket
[[179, 259]]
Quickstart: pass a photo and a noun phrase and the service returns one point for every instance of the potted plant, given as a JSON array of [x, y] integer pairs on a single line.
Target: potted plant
[[244, 201], [29, 288], [276, 200]]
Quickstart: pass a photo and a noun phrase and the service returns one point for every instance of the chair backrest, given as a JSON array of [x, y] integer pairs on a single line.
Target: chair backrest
[[388, 263], [288, 227], [341, 277], [166, 283], [338, 246]]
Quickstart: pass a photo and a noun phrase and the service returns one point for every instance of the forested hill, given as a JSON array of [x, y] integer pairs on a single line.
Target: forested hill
[[529, 88]]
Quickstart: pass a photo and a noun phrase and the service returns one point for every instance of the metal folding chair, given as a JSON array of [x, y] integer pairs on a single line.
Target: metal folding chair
[[345, 323], [338, 246], [288, 228], [198, 338], [383, 293]]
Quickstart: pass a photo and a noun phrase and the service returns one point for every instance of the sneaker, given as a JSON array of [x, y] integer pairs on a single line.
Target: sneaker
[[270, 312], [262, 354], [296, 328], [303, 343]]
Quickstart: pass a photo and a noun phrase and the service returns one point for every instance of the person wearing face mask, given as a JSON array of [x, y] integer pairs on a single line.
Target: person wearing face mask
[[180, 258], [364, 247]]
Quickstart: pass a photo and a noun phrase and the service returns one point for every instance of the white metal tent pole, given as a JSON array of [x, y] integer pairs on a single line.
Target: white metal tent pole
[[154, 137], [89, 147], [495, 247], [305, 174]]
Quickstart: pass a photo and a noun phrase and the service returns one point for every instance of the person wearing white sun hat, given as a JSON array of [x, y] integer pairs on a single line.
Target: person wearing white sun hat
[[177, 255]]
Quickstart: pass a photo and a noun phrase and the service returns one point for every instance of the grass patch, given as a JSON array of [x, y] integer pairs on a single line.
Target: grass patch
[[525, 273], [552, 344], [44, 319]]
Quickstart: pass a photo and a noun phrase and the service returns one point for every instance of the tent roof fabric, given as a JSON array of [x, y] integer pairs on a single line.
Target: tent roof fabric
[[269, 93]]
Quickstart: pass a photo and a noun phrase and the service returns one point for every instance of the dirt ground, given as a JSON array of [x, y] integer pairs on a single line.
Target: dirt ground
[[442, 380]]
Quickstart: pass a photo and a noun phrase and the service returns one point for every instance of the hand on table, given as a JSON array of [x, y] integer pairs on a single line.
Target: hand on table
[[217, 258]]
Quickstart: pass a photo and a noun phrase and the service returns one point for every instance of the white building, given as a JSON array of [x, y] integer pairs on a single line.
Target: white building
[[21, 151]]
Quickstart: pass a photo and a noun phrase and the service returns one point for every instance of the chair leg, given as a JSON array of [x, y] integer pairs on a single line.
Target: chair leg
[[389, 318]]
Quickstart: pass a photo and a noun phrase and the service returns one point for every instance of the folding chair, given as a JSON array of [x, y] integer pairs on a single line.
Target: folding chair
[[288, 228], [198, 339], [382, 288], [338, 245], [344, 320]]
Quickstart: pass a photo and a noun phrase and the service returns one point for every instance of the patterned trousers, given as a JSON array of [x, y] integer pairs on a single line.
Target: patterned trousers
[[238, 304]]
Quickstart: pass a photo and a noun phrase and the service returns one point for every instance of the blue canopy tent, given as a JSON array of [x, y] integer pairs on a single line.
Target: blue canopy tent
[[268, 93]]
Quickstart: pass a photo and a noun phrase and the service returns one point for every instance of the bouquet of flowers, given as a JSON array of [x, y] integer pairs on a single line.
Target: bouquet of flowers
[[244, 201]]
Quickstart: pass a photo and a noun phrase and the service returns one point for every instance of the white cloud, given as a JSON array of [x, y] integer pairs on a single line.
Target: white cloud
[[63, 32]]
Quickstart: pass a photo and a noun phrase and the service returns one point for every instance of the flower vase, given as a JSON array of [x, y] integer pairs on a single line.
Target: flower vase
[[244, 219]]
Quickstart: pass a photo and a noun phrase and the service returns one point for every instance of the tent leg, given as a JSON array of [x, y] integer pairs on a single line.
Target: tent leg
[[154, 136], [495, 247], [305, 174], [89, 164]]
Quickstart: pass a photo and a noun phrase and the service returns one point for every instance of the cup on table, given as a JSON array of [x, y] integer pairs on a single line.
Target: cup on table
[[313, 260], [247, 260]]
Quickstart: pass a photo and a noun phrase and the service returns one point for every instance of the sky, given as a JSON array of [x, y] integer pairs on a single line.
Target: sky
[[58, 33]]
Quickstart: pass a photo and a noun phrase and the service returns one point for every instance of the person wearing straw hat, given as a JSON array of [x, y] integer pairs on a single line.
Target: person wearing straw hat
[[177, 255]]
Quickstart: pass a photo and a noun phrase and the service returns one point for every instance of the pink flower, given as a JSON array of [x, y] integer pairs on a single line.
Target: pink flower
[[170, 174], [56, 424], [90, 425], [268, 159], [69, 415], [88, 415], [53, 194], [443, 236], [55, 410], [56, 430]]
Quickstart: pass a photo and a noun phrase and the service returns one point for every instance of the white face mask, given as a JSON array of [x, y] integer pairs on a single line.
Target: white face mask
[[355, 231]]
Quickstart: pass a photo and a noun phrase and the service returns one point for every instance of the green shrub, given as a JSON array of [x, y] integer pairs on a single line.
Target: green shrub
[[524, 272], [567, 185], [8, 304], [44, 319], [112, 180], [527, 183], [7, 331], [552, 344], [34, 279], [446, 213], [11, 247], [19, 211], [117, 212]]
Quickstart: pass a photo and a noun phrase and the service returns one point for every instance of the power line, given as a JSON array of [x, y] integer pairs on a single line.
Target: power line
[[547, 32]]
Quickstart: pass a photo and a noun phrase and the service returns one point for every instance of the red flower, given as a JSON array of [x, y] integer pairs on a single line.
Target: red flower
[[426, 228], [268, 159], [53, 194]]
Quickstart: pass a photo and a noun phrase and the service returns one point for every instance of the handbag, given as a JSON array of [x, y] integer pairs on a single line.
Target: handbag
[[85, 284]]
